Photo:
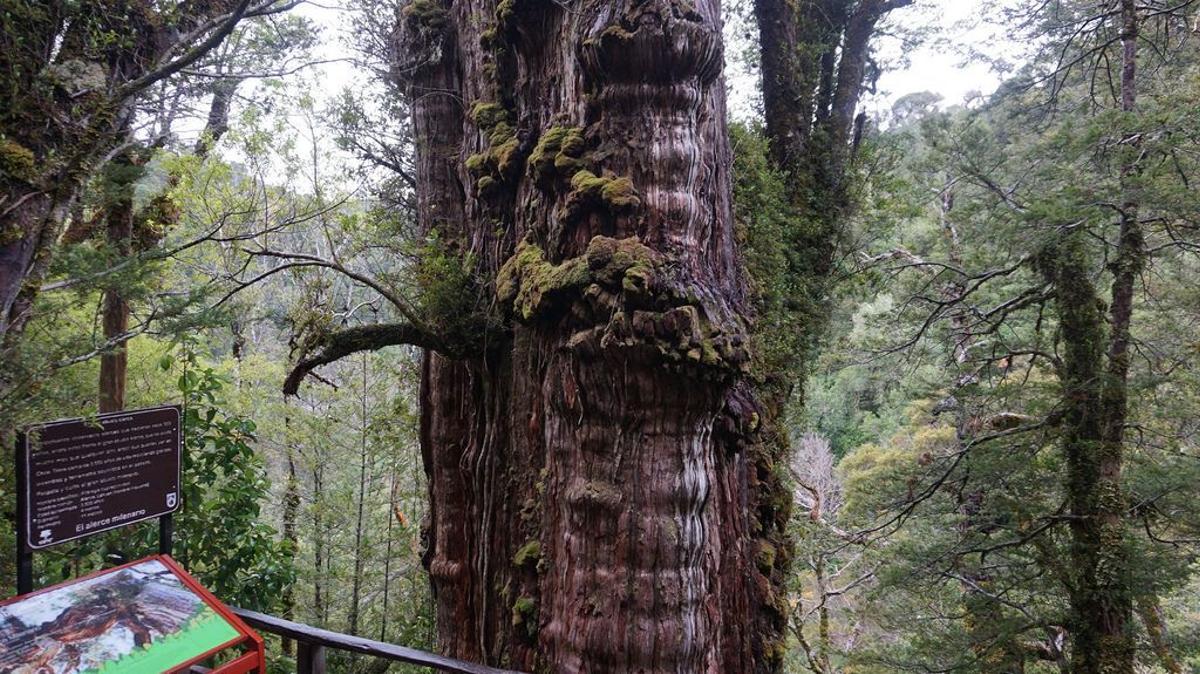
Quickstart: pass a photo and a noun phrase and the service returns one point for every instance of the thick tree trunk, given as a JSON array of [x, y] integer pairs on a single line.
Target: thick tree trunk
[[593, 507], [32, 220]]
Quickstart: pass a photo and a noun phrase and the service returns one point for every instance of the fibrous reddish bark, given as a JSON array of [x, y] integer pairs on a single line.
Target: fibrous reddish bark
[[593, 506]]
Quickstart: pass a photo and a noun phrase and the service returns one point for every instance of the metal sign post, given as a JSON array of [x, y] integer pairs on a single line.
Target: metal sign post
[[24, 554]]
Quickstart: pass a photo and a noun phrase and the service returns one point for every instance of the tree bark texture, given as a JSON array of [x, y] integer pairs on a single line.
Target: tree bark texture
[[594, 503]]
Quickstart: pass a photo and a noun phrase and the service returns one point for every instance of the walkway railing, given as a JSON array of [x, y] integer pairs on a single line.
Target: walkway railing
[[311, 643]]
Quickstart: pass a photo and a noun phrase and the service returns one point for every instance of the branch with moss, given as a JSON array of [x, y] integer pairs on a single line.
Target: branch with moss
[[338, 345]]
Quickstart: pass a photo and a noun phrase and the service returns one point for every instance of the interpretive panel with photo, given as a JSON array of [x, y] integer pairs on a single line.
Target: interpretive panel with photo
[[138, 618]]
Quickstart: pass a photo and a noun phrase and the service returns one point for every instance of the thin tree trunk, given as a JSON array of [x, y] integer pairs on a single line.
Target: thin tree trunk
[[387, 555], [218, 115], [291, 510], [320, 602], [1150, 612], [356, 583], [121, 174]]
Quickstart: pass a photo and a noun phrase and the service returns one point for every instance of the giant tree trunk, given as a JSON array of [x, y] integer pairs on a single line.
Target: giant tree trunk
[[1102, 594], [593, 505]]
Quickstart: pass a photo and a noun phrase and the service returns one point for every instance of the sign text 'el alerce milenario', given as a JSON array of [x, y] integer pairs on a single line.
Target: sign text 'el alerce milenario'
[[84, 476]]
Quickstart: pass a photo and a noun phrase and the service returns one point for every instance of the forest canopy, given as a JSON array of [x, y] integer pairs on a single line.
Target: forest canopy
[[829, 336]]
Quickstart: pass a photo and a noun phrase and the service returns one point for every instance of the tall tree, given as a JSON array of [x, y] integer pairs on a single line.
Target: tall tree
[[1067, 184], [588, 428], [587, 181], [1096, 401], [816, 64], [70, 89]]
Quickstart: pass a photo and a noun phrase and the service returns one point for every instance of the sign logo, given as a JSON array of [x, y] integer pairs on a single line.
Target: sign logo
[[171, 499], [46, 537]]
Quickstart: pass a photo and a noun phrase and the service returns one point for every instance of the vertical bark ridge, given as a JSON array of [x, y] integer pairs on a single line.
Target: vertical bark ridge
[[590, 494]]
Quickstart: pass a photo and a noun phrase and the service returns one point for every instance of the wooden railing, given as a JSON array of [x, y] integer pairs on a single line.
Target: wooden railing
[[311, 643]]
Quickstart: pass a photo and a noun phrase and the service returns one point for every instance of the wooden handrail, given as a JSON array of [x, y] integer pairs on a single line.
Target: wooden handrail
[[312, 642]]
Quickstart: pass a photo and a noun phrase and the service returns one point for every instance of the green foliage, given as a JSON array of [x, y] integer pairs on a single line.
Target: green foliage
[[449, 294], [221, 537], [764, 220]]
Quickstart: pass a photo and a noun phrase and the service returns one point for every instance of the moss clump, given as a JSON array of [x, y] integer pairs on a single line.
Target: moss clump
[[532, 285], [17, 161], [426, 16], [590, 192], [528, 554], [766, 556], [524, 614], [529, 282], [559, 151], [477, 162], [617, 32], [617, 193], [506, 12], [502, 161], [489, 115]]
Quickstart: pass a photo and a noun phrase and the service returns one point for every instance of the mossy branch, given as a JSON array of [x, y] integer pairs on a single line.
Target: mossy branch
[[338, 345]]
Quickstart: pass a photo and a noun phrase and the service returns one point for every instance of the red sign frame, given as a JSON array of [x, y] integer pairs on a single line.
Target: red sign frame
[[253, 657]]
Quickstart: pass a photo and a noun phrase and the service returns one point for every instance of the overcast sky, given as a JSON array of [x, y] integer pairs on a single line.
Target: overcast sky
[[935, 66]]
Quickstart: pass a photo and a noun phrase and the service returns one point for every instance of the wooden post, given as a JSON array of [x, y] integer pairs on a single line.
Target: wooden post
[[310, 658]]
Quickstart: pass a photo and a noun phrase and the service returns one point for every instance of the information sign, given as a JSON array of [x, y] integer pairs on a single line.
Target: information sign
[[84, 476]]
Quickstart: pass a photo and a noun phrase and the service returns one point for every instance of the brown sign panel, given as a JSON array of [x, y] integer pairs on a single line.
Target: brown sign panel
[[84, 476]]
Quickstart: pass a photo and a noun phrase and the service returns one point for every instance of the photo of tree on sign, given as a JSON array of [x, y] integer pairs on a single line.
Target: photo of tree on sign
[[140, 618]]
